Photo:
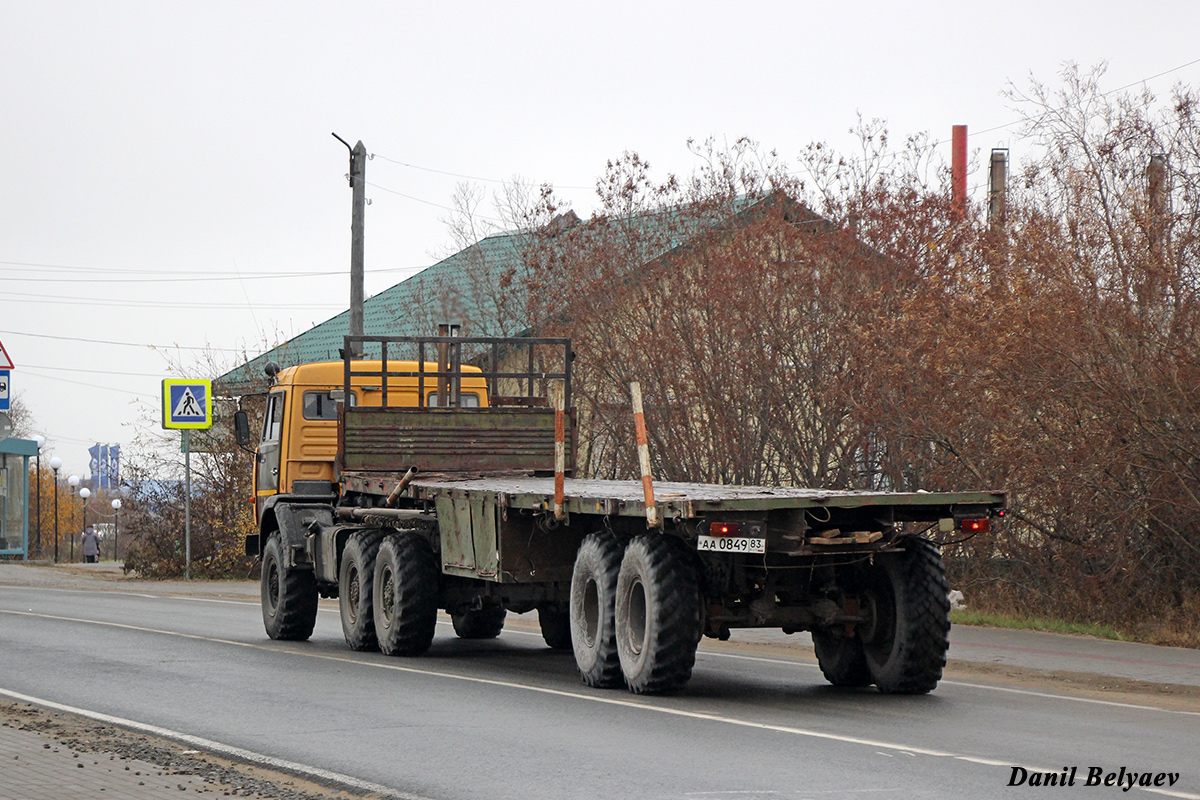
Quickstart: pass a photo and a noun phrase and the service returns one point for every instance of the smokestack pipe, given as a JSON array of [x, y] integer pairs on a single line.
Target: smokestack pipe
[[958, 172], [998, 187], [1156, 180]]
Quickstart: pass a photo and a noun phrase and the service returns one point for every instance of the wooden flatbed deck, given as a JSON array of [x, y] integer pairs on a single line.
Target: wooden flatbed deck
[[624, 498]]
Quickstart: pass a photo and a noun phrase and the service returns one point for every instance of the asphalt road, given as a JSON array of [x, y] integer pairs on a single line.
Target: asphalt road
[[509, 719]]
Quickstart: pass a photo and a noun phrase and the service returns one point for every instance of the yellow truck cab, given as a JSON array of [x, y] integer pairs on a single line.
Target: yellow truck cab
[[297, 451]]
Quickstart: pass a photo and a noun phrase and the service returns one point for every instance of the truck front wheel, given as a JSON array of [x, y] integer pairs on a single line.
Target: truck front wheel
[[355, 581], [907, 637], [593, 603], [289, 596], [657, 614], [405, 594]]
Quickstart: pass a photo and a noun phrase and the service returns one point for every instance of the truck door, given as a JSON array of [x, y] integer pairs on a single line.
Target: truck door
[[267, 477]]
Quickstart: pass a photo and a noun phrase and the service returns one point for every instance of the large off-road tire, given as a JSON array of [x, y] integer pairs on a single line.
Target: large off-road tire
[[555, 623], [289, 596], [841, 659], [482, 623], [657, 614], [356, 579], [405, 594], [592, 609], [906, 641]]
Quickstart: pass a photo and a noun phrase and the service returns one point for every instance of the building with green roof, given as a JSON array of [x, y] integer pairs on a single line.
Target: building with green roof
[[465, 286], [483, 286]]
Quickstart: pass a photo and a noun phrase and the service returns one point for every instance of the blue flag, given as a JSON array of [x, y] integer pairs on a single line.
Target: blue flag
[[114, 467], [94, 464]]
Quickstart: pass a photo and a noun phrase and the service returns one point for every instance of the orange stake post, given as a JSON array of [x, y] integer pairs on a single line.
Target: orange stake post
[[643, 444], [560, 455]]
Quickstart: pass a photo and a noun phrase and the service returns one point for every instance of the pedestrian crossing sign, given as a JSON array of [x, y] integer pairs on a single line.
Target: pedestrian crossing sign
[[187, 403]]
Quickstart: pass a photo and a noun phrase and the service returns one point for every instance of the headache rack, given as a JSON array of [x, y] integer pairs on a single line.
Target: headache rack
[[513, 431], [516, 368]]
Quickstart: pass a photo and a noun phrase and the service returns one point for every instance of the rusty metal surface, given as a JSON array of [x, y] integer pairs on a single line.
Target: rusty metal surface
[[450, 440]]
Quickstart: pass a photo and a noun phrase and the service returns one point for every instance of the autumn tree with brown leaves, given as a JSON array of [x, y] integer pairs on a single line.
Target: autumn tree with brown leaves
[[839, 326]]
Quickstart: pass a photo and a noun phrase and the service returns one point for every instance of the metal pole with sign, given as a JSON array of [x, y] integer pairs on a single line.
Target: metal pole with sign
[[187, 406], [6, 367], [187, 505]]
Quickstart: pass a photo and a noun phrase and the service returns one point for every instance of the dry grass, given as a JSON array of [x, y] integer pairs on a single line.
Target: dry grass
[[1177, 626]]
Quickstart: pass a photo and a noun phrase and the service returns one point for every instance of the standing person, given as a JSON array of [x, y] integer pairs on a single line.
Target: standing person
[[91, 545]]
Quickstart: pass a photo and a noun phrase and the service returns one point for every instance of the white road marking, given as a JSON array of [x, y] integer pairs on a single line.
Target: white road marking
[[1011, 690], [444, 620], [967, 684], [631, 702], [220, 748]]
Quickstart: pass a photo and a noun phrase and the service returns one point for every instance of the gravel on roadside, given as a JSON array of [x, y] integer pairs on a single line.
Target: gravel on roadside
[[113, 758]]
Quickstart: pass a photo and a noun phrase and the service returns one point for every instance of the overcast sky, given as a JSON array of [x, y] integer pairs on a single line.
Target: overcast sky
[[170, 183]]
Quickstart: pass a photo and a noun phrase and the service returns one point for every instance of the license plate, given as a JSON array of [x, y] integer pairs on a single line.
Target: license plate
[[731, 544]]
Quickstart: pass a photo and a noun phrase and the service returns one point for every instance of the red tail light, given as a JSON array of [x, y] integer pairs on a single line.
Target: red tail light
[[975, 525], [724, 529]]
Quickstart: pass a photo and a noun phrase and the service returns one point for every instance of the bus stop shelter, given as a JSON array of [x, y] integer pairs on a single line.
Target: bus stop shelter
[[14, 496]]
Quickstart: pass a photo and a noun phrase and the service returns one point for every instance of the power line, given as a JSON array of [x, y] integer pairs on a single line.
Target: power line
[[53, 438], [409, 196], [201, 275], [459, 175], [1102, 94], [89, 385], [95, 371], [206, 348], [431, 203], [288, 275], [28, 297]]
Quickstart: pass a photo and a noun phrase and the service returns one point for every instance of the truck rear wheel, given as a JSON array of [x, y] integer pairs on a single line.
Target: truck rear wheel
[[479, 623], [405, 594], [841, 659], [905, 642], [657, 614], [592, 609], [555, 623], [289, 596], [355, 581]]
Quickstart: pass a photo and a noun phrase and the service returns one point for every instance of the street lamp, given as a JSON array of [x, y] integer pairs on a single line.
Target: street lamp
[[73, 482], [85, 493], [116, 505], [56, 465], [40, 441]]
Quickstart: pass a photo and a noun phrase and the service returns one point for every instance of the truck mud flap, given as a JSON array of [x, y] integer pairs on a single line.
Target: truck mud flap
[[294, 520]]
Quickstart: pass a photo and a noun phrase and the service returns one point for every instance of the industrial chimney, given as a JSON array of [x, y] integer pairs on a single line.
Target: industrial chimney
[[958, 173]]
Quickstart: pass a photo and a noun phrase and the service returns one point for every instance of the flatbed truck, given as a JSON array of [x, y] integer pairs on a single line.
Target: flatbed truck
[[437, 474]]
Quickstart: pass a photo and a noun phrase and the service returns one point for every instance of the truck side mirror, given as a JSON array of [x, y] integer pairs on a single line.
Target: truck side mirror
[[241, 427]]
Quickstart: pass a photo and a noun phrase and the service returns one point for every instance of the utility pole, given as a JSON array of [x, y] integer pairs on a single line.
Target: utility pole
[[358, 185]]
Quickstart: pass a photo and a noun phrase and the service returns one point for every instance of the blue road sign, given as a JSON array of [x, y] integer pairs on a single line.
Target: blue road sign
[[187, 403], [5, 389]]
